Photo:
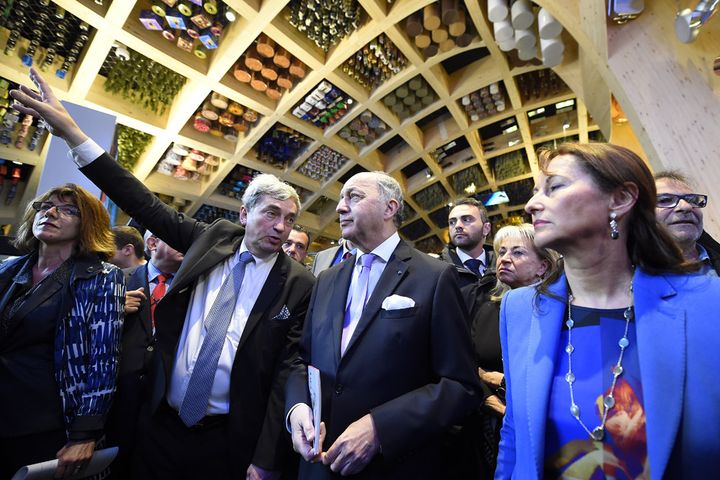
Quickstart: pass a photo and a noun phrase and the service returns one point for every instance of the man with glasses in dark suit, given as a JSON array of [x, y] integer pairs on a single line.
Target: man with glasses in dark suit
[[680, 210]]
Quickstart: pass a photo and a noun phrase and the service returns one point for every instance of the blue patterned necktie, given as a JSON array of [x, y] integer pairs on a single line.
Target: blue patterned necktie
[[360, 293], [475, 266], [196, 399]]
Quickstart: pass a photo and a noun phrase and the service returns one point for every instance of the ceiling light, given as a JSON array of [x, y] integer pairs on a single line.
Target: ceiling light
[[427, 173], [512, 129], [470, 189], [230, 14], [566, 124], [513, 142], [565, 103], [450, 204], [532, 113], [497, 198], [121, 51]]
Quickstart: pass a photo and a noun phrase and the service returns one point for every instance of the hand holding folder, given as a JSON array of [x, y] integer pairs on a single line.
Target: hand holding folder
[[100, 460]]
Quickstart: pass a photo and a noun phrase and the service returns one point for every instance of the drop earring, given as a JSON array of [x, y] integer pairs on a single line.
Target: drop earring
[[614, 233]]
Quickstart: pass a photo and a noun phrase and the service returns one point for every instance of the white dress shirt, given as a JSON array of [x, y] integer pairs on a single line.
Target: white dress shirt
[[85, 153], [203, 295], [194, 330], [464, 257], [383, 252]]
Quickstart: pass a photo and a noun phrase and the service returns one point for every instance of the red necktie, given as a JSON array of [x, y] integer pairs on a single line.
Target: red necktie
[[157, 294]]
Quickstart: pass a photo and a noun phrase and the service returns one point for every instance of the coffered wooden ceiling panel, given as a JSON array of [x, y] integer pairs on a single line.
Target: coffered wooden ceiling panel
[[451, 115]]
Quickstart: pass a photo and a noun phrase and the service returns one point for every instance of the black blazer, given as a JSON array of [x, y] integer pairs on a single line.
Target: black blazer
[[268, 344], [138, 345], [137, 338], [411, 368]]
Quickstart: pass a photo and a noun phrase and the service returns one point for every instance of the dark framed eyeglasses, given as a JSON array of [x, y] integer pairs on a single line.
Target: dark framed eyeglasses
[[670, 200], [66, 210]]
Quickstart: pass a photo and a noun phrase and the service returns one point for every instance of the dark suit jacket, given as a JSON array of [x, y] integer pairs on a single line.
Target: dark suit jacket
[[268, 344], [412, 368], [138, 345], [713, 249]]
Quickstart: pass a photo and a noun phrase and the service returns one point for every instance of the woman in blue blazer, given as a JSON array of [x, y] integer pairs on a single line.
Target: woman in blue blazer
[[609, 367]]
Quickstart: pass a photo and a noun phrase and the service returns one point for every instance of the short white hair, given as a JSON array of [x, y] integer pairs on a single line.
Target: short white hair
[[268, 184], [390, 189]]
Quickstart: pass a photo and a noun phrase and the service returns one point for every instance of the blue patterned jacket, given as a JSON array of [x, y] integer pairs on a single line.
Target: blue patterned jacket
[[87, 343]]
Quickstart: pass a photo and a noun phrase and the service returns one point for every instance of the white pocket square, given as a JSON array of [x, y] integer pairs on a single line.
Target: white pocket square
[[283, 315], [397, 302]]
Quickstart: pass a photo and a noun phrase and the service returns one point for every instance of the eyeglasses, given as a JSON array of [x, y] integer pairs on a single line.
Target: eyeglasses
[[65, 210], [670, 200]]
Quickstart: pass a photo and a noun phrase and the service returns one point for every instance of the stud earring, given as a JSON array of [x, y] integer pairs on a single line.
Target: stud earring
[[614, 233]]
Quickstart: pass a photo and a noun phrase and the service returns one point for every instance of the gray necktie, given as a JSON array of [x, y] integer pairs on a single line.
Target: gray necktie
[[196, 399]]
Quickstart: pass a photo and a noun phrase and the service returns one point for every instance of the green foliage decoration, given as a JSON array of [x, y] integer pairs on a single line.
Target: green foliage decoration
[[131, 144], [142, 81]]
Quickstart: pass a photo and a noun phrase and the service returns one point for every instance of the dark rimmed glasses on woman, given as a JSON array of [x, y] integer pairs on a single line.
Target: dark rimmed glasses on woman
[[670, 200], [66, 210]]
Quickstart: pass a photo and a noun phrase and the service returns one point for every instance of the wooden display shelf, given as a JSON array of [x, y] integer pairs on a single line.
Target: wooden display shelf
[[219, 146], [12, 68], [100, 9], [154, 41], [132, 114]]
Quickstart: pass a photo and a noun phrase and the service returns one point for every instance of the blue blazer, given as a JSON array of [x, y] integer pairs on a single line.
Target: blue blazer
[[678, 333]]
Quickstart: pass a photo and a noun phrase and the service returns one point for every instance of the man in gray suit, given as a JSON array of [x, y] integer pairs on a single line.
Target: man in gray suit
[[330, 257]]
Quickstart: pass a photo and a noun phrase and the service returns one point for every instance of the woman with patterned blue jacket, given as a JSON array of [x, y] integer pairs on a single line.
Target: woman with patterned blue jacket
[[61, 311]]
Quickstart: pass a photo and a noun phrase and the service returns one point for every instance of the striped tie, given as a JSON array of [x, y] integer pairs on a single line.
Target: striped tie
[[196, 399]]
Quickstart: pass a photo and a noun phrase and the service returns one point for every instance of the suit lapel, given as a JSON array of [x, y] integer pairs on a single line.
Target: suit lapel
[[272, 288], [327, 260], [545, 327], [394, 272], [35, 299], [340, 286], [661, 351]]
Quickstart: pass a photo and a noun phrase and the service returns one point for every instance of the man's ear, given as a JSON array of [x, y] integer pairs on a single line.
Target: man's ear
[[391, 208], [243, 215], [487, 226], [128, 249], [151, 243]]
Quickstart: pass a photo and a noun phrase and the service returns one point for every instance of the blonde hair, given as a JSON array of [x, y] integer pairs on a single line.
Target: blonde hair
[[525, 232]]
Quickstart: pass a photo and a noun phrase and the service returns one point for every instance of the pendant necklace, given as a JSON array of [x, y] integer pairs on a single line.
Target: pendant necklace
[[597, 433]]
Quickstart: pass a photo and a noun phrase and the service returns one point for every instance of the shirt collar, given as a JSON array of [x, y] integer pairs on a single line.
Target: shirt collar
[[464, 257], [384, 250], [702, 253], [153, 272], [258, 260]]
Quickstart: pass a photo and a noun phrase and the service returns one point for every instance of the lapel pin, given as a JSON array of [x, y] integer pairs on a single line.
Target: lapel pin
[[399, 272]]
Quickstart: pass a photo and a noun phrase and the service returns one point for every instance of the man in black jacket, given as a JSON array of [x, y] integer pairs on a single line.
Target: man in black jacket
[[468, 227], [145, 286], [680, 210]]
